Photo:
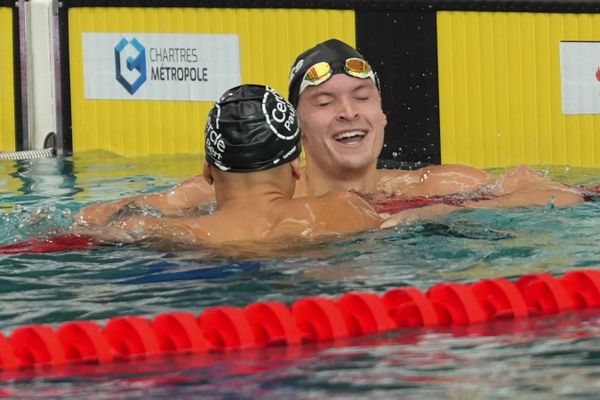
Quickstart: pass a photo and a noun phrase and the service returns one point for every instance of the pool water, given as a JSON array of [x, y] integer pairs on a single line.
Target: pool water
[[536, 358]]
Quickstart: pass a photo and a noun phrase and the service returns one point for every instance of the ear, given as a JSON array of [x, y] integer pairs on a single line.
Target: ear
[[296, 169], [207, 173], [300, 125], [385, 120]]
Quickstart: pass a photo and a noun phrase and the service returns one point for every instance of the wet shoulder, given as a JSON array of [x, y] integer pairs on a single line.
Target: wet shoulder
[[349, 207], [331, 213]]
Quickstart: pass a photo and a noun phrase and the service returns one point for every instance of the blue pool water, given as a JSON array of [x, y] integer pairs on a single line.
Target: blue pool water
[[537, 358]]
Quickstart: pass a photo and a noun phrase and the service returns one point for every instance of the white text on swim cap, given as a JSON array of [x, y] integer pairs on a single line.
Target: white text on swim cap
[[283, 114], [214, 142], [279, 114]]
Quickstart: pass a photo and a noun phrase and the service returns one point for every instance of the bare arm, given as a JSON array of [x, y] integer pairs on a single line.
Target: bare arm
[[540, 196], [418, 214], [522, 187], [438, 180], [142, 227], [518, 188], [192, 193]]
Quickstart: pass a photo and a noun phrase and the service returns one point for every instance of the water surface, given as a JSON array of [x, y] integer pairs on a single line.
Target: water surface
[[536, 358]]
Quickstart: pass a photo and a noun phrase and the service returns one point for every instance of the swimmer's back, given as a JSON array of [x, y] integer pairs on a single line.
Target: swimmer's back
[[328, 214], [305, 217]]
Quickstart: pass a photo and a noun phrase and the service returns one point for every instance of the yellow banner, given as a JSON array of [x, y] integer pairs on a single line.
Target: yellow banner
[[500, 90], [269, 41]]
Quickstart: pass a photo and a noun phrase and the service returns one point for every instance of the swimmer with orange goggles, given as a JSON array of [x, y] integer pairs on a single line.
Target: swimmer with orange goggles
[[331, 57]]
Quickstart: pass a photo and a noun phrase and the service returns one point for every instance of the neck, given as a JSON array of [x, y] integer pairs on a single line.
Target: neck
[[228, 196], [317, 182], [254, 188]]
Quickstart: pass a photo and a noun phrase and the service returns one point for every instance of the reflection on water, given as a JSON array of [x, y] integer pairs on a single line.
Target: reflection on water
[[533, 358]]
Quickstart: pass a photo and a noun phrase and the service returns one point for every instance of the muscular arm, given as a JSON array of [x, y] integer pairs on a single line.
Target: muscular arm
[[142, 227], [192, 193], [520, 187], [438, 180], [535, 197], [418, 214], [541, 196]]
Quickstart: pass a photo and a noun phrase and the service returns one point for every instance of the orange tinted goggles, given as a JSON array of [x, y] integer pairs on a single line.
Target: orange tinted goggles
[[322, 71]]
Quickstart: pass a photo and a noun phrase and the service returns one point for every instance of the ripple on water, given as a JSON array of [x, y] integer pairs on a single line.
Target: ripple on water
[[534, 358]]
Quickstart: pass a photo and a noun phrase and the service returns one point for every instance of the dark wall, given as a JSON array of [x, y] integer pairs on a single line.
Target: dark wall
[[402, 48]]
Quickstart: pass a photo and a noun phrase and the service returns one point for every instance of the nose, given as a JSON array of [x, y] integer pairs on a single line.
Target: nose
[[347, 110]]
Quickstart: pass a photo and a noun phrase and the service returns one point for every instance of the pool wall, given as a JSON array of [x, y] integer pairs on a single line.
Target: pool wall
[[476, 82]]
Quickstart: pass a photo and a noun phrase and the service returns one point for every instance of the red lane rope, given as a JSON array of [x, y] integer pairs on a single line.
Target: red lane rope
[[51, 245], [311, 319]]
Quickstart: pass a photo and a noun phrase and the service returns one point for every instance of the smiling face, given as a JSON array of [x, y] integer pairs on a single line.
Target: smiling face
[[342, 126]]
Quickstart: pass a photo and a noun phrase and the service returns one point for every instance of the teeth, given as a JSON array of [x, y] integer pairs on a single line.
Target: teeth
[[349, 134]]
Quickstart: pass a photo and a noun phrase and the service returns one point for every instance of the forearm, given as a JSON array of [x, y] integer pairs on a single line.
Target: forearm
[[179, 201], [418, 214], [143, 228], [101, 214], [190, 194], [542, 196]]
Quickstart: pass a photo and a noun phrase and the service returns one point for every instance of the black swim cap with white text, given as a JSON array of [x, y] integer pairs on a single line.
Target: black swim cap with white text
[[251, 128], [330, 51]]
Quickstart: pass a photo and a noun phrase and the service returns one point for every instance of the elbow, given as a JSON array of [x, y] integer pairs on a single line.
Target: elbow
[[567, 199]]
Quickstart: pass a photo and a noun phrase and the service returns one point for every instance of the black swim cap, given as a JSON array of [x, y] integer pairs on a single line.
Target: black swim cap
[[332, 51], [251, 128]]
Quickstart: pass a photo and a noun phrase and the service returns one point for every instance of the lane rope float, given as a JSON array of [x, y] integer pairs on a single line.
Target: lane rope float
[[307, 320]]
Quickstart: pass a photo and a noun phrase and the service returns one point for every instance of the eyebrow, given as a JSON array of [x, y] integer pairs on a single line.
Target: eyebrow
[[322, 92], [364, 85]]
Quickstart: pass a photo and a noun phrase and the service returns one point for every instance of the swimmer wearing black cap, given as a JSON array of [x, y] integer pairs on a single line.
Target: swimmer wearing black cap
[[252, 148], [337, 95]]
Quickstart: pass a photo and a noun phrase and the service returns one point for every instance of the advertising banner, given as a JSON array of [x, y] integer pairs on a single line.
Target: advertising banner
[[160, 66]]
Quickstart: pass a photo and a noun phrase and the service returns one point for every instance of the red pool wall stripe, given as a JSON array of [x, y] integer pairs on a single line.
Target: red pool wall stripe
[[311, 319]]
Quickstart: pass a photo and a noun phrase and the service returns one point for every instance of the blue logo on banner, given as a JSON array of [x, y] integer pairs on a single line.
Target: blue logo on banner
[[138, 63]]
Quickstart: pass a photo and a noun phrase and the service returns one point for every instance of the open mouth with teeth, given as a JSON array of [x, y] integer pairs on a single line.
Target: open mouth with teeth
[[350, 137]]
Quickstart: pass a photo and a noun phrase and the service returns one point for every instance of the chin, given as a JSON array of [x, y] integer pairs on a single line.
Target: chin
[[354, 164]]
